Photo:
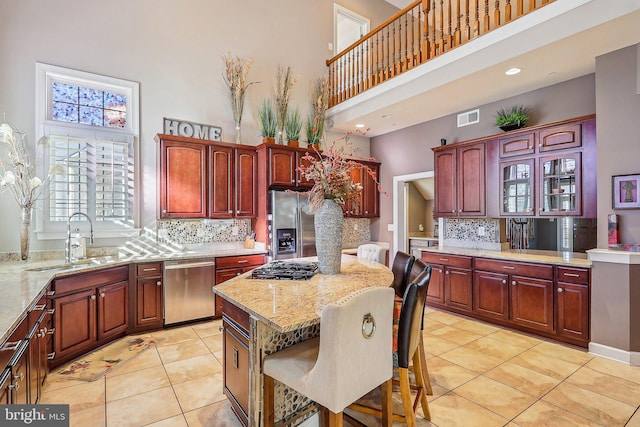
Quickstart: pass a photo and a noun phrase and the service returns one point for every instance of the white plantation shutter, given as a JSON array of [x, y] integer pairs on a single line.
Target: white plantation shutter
[[68, 193], [113, 181]]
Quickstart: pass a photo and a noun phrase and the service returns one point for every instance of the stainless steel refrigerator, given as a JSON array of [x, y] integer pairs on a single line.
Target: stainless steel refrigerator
[[291, 230]]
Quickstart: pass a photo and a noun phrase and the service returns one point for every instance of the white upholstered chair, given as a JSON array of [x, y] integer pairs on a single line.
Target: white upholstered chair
[[351, 357], [373, 252]]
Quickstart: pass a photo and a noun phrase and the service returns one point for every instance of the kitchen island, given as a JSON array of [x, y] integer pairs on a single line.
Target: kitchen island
[[264, 316]]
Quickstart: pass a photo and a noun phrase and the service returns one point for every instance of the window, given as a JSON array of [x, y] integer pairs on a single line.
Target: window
[[87, 124]]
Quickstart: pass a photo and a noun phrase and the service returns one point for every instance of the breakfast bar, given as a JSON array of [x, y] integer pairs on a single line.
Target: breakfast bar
[[261, 316]]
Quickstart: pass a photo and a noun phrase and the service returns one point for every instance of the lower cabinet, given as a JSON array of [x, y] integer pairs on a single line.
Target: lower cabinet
[[451, 281], [550, 300], [231, 266], [235, 323], [146, 300], [90, 310]]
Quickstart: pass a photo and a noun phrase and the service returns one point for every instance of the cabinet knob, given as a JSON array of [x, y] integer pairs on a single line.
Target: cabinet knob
[[513, 282], [560, 290], [101, 294], [504, 281], [238, 273], [158, 283], [453, 211], [51, 356], [19, 377], [446, 272], [230, 211], [93, 297]]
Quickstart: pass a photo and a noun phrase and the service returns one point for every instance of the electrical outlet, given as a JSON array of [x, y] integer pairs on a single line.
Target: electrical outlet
[[200, 232], [234, 231], [355, 227], [481, 231]]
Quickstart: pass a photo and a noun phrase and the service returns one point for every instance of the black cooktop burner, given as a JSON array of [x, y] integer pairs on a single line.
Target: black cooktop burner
[[280, 270]]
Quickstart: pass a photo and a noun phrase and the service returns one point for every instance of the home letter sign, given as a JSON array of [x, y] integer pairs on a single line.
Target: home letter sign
[[192, 130]]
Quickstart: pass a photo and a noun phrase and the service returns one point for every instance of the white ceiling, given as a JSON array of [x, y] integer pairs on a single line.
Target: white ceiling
[[556, 43]]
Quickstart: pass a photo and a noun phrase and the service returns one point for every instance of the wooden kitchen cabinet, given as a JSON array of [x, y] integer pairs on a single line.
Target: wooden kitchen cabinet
[[206, 179], [517, 187], [90, 309], [146, 301], [232, 266], [282, 166], [454, 273], [573, 296], [235, 349], [460, 180], [560, 184], [182, 179], [491, 292], [532, 303], [40, 345]]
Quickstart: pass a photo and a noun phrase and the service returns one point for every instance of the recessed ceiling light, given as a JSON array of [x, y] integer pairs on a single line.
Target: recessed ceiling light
[[512, 71], [386, 116], [359, 125]]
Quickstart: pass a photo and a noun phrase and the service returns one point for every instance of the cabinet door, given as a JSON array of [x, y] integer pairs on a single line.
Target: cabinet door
[[112, 309], [75, 322], [221, 161], [183, 183], [491, 291], [20, 379], [236, 368], [5, 384], [223, 276], [246, 182], [302, 181], [560, 185], [573, 310], [446, 198], [517, 188], [356, 207], [370, 191], [560, 138], [517, 145], [471, 180], [435, 292], [532, 303], [149, 301], [282, 167], [457, 288]]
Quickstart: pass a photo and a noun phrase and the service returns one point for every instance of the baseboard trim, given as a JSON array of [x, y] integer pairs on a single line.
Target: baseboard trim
[[629, 357]]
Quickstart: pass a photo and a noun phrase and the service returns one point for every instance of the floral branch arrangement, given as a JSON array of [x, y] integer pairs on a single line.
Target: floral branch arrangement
[[18, 173], [235, 77], [331, 173], [282, 89], [318, 110]]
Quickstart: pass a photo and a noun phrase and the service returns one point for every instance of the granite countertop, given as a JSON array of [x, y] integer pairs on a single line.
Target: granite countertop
[[287, 305], [572, 259], [22, 283]]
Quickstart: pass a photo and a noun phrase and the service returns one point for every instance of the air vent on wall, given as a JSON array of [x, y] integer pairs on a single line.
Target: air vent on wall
[[468, 118]]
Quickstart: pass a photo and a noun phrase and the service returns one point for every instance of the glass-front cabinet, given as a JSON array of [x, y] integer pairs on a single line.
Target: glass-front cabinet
[[517, 187], [560, 185]]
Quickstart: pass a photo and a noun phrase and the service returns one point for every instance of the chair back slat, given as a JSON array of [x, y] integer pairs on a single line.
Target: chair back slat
[[410, 322]]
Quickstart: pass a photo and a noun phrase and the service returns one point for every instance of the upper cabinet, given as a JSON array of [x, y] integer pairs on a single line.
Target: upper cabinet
[[369, 202], [460, 180], [206, 179], [537, 171], [540, 171]]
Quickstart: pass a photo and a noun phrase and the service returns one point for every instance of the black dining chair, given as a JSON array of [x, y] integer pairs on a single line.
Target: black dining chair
[[401, 268]]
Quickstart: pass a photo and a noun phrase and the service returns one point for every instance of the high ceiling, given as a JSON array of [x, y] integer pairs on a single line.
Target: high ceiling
[[556, 43]]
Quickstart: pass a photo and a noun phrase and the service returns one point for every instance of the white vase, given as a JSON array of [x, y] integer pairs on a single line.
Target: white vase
[[328, 225], [25, 230]]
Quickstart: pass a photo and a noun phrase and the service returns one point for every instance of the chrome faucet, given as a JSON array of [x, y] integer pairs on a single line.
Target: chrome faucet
[[67, 250]]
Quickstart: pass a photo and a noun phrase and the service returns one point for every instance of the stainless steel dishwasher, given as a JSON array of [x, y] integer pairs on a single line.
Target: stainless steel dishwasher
[[187, 290]]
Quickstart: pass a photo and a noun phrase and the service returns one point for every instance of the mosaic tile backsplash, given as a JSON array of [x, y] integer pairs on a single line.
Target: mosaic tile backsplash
[[190, 231], [464, 233], [355, 231]]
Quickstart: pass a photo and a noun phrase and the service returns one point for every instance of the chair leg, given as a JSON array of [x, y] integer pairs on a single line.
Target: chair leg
[[407, 401], [387, 403], [335, 420], [425, 370], [267, 400], [418, 369]]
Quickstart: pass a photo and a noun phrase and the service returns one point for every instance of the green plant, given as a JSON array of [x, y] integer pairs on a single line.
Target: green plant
[[293, 125], [317, 112], [282, 90], [518, 115], [268, 122]]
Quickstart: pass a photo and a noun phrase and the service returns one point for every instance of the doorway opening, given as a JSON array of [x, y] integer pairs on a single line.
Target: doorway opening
[[348, 27], [408, 215]]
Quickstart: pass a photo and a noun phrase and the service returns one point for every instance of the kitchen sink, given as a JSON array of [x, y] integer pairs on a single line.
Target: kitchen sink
[[73, 266]]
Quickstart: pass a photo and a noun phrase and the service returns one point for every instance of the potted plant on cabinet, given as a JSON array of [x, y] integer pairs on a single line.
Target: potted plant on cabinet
[[267, 122], [512, 118], [293, 125]]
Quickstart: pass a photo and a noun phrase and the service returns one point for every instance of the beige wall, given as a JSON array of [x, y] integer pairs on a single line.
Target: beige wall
[[408, 150], [173, 49], [618, 132]]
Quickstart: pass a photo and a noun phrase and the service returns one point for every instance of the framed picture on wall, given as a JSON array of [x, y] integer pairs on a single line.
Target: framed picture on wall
[[626, 191]]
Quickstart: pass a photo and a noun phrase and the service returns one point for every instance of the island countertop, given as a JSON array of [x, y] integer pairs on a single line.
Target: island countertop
[[288, 305]]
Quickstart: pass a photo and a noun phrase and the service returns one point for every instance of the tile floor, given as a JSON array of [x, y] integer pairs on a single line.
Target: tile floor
[[482, 375]]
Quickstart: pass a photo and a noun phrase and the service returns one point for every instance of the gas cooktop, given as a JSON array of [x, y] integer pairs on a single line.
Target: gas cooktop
[[281, 270]]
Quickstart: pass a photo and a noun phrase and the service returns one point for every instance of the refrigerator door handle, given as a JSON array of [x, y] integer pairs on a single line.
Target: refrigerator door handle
[[298, 232]]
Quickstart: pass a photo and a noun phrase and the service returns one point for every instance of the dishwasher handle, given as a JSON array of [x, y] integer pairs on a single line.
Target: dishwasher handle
[[179, 266]]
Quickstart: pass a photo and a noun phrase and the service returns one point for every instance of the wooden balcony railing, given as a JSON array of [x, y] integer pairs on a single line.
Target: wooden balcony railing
[[422, 31]]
